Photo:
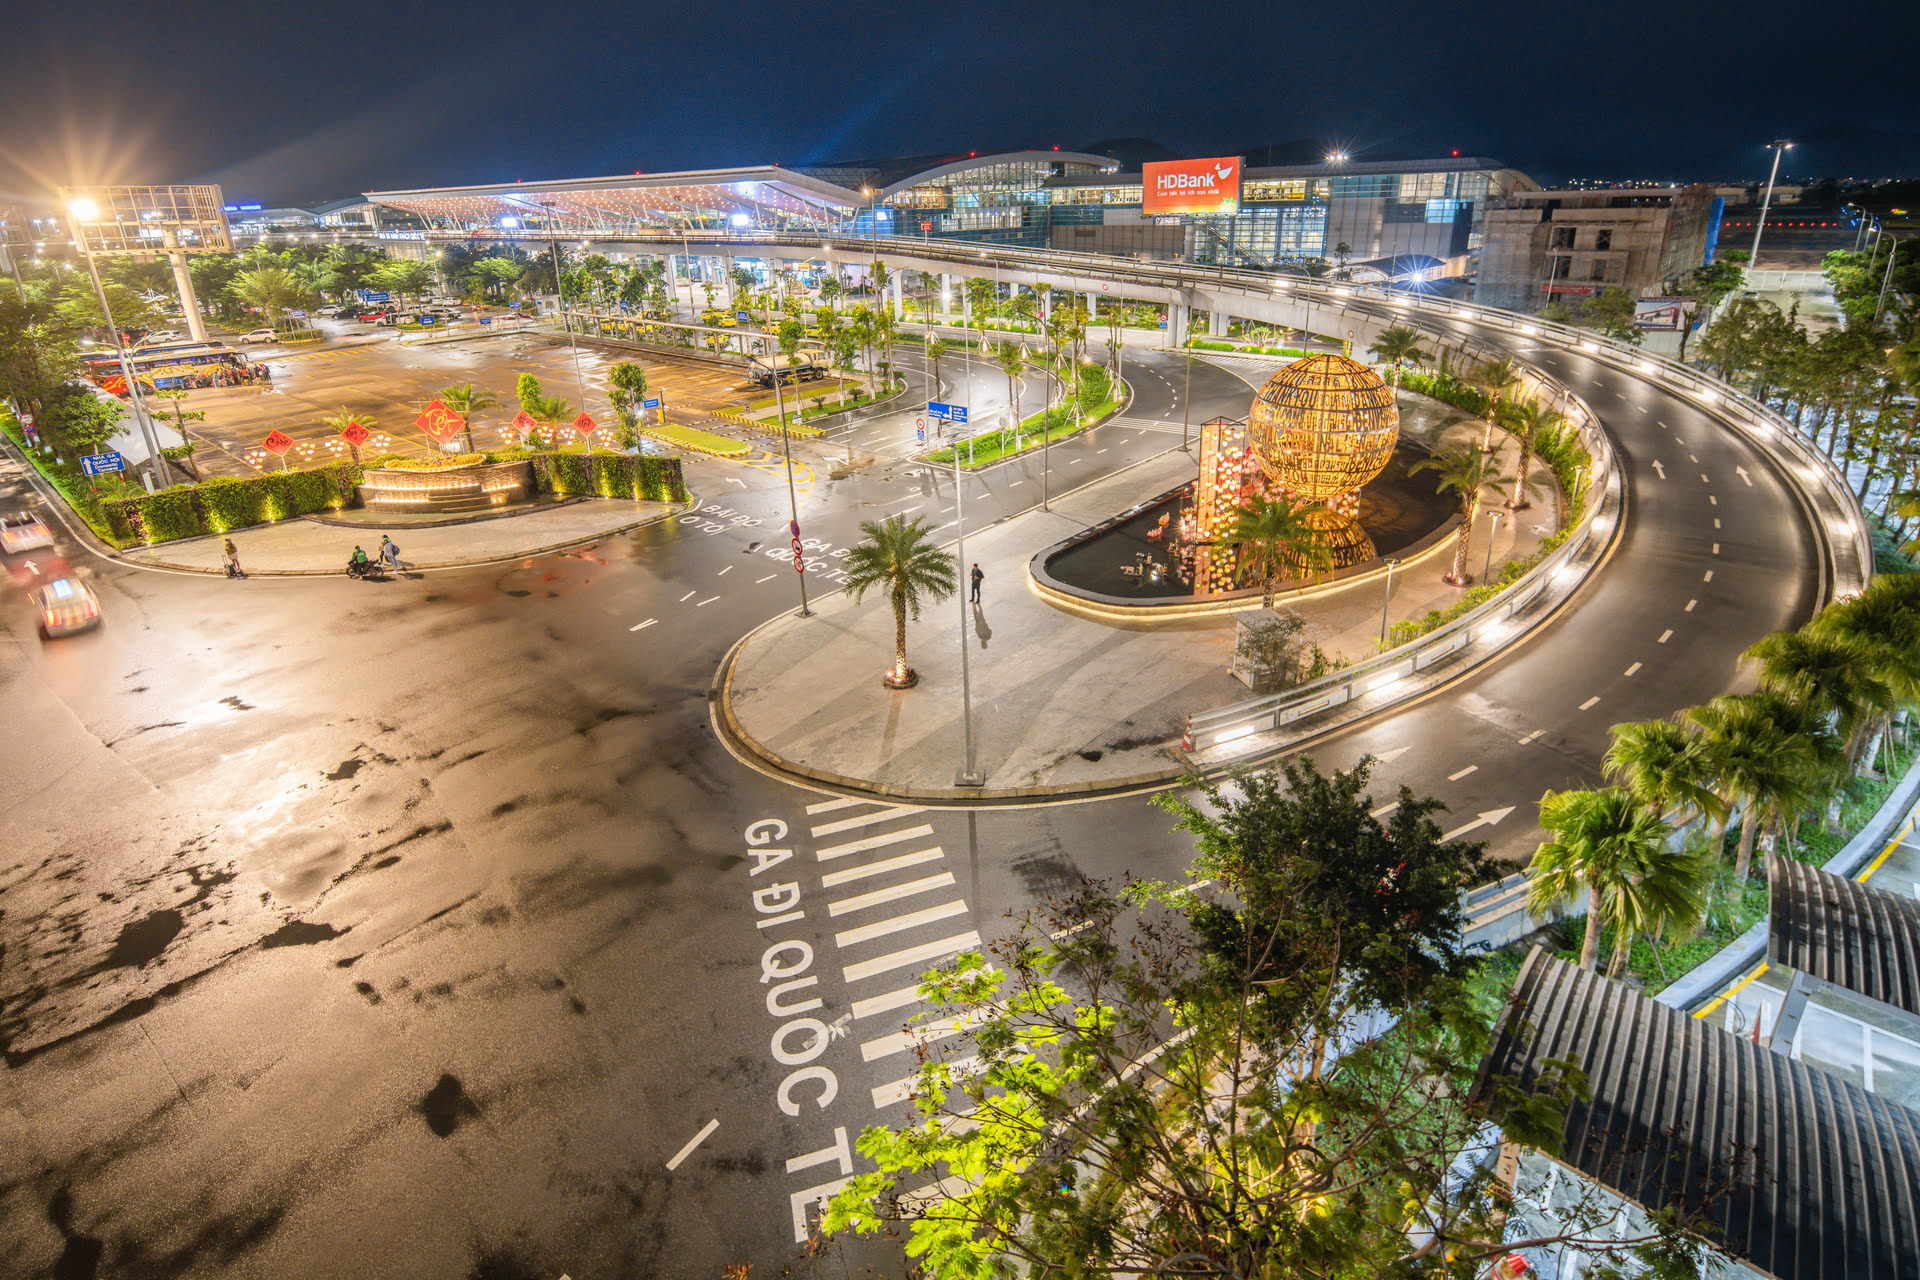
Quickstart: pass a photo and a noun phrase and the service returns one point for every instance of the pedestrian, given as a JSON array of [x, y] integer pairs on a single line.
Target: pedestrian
[[389, 553], [233, 560], [978, 578]]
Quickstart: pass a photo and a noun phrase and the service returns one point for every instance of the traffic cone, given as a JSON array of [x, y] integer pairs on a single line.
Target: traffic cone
[[1186, 739]]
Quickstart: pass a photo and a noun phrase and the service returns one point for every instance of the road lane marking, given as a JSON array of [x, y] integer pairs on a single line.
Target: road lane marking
[[1716, 522], [1703, 478], [1708, 577], [847, 824], [1666, 635], [704, 603], [1455, 777], [769, 578], [880, 868], [1098, 451], [1635, 667], [901, 1041], [724, 572], [1716, 546], [1690, 604], [900, 924], [891, 894], [912, 956], [1589, 702], [686, 597], [828, 806], [871, 842], [1713, 500], [1384, 810], [1693, 459], [875, 1005], [642, 625], [1530, 737], [887, 1095], [687, 1150]]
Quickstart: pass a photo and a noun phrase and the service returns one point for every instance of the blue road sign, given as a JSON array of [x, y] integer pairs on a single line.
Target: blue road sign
[[96, 464], [742, 317], [427, 322], [957, 412], [298, 315], [650, 404], [368, 295], [920, 431], [947, 412]]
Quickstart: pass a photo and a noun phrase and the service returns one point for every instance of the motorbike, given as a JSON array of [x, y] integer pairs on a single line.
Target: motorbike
[[368, 570]]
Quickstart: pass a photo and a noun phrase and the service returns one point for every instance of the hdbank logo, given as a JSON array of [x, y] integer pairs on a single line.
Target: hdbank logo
[[1192, 186]]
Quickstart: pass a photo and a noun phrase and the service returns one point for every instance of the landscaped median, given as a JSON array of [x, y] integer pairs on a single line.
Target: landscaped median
[[1097, 404], [698, 441]]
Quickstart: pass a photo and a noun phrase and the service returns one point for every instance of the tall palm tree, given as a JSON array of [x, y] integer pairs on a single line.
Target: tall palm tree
[[1395, 345], [898, 557], [1529, 422], [936, 351], [1012, 359], [464, 400], [1757, 764], [1273, 536], [549, 412], [1467, 472], [1663, 765], [1830, 675], [1884, 620], [1607, 843], [1499, 378]]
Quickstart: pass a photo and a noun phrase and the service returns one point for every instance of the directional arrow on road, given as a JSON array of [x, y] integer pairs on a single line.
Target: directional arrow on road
[[1742, 473], [1487, 819], [1657, 467], [1388, 757]]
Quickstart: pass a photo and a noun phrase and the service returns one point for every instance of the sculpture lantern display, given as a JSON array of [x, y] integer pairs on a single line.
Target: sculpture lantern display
[[1322, 427]]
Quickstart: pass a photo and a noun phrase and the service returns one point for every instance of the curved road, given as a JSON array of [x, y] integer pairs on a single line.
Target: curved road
[[346, 922]]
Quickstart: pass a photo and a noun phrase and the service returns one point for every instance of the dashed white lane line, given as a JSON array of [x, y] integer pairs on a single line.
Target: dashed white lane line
[[1716, 522], [1703, 478], [1661, 425], [1708, 576], [1666, 635], [704, 603], [687, 597], [1713, 500], [724, 572], [1097, 451], [641, 626], [1016, 484], [1690, 604], [1716, 546], [687, 1150], [1589, 702], [1693, 459], [1630, 670], [1530, 737], [1384, 810], [1455, 777], [769, 578]]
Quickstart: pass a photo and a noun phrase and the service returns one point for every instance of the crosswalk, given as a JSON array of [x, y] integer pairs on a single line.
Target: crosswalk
[[895, 914]]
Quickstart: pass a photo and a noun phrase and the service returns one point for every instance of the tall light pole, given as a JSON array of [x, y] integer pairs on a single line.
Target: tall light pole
[[85, 210], [560, 301], [1779, 147], [1893, 251], [774, 352], [969, 775]]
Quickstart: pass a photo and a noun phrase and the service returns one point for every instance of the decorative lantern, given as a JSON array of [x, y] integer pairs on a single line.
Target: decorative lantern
[[1322, 427]]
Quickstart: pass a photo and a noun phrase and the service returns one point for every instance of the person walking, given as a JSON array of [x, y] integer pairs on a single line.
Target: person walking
[[233, 560], [389, 554], [977, 577]]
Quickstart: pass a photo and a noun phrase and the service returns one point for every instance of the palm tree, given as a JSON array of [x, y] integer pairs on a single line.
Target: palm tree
[[1757, 762], [1607, 843], [1884, 620], [1529, 422], [338, 422], [272, 289], [1498, 379], [1830, 675], [898, 557], [549, 412], [1467, 472], [464, 400], [936, 348], [1273, 536], [1397, 344], [1012, 359], [1664, 766]]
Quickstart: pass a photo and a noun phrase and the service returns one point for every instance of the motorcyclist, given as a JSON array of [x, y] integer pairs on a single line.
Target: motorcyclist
[[358, 565]]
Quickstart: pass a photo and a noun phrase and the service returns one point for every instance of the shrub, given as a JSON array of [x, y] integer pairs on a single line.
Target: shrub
[[229, 502]]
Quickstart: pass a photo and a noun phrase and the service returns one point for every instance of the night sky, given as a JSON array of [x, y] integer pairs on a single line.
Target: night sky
[[291, 101]]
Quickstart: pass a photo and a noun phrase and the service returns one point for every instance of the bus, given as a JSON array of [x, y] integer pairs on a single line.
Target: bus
[[171, 368]]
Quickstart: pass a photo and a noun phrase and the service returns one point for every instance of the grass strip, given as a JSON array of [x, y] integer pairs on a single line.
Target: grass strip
[[699, 441]]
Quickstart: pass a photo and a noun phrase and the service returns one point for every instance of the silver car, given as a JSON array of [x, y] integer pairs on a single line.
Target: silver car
[[65, 607], [23, 531]]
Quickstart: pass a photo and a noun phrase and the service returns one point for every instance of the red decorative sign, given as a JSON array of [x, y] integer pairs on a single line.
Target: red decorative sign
[[278, 442], [440, 422], [523, 423], [584, 425], [355, 434]]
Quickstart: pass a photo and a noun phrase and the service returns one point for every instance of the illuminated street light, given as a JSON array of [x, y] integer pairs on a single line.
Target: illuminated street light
[[85, 210], [1779, 147], [1336, 157]]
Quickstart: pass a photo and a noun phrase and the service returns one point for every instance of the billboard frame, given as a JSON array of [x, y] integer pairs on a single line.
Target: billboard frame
[[1209, 175]]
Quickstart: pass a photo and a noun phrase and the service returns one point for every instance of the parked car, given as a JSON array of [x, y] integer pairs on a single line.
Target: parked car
[[65, 607], [262, 334], [23, 531], [372, 315], [158, 336], [331, 309], [394, 318]]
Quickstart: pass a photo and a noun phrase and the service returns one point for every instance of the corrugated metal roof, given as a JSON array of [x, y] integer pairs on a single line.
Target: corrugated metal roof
[[1803, 1175], [1841, 931]]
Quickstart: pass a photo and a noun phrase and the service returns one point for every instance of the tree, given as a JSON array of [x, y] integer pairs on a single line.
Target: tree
[[1468, 473], [897, 557], [1759, 764], [79, 307], [1500, 379], [1608, 844], [1828, 674], [936, 349], [464, 400], [1274, 536], [181, 417], [1663, 766], [1709, 285], [1135, 1084], [1883, 624], [627, 389], [1012, 359], [272, 289], [347, 266], [1530, 422], [1396, 345], [408, 277], [1612, 310]]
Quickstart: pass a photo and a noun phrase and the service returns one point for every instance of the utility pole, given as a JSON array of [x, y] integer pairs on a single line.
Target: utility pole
[[1779, 146], [85, 210], [560, 302], [1893, 251], [969, 775], [786, 446]]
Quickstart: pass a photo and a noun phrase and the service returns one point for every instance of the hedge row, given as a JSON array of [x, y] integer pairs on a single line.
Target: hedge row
[[609, 475], [231, 502]]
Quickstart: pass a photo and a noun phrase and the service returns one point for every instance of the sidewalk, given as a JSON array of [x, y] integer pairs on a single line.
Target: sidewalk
[[304, 546], [1061, 704]]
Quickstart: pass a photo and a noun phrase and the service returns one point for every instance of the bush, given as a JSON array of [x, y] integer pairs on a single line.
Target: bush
[[609, 475], [229, 502]]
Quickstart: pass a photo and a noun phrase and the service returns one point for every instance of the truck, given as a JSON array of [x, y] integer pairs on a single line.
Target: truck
[[796, 368]]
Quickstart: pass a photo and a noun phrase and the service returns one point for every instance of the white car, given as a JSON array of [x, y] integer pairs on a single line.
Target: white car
[[331, 309], [261, 334], [158, 337], [65, 607], [23, 531]]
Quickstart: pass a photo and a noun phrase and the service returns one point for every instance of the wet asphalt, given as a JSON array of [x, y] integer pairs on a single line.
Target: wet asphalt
[[415, 928]]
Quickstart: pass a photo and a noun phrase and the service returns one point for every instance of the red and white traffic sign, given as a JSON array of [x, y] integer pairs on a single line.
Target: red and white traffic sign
[[278, 442], [355, 434], [584, 425]]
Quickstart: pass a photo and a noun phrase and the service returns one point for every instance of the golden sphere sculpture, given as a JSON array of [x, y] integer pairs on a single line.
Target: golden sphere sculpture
[[1323, 426], [1341, 544]]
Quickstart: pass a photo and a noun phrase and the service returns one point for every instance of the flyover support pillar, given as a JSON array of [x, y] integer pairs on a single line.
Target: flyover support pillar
[[946, 293], [183, 282], [1216, 323], [1176, 323]]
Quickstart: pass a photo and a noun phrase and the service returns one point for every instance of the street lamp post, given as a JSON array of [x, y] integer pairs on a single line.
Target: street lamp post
[[1779, 147], [560, 301], [1186, 396], [1893, 251], [1487, 568], [786, 447], [1386, 601], [85, 210], [969, 775]]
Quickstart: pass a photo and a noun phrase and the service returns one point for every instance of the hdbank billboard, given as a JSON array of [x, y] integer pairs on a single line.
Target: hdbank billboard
[[1192, 186]]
